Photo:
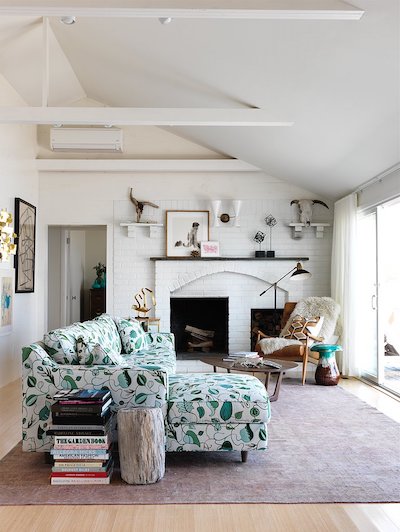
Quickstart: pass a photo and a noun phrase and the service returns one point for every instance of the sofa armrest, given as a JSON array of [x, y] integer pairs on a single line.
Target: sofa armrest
[[161, 339], [42, 377]]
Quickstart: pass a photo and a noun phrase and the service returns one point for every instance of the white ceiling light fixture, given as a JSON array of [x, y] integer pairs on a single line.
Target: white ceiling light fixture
[[68, 20]]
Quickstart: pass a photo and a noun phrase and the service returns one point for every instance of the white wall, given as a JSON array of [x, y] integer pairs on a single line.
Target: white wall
[[18, 178], [103, 199]]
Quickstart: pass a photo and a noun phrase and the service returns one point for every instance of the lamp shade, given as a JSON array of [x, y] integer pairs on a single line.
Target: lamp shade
[[300, 274]]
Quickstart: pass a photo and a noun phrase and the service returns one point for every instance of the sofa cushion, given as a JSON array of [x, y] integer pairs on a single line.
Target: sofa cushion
[[90, 354], [132, 335], [101, 330], [152, 359], [217, 398]]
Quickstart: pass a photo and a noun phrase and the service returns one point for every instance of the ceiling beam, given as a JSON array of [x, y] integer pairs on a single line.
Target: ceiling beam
[[187, 9], [144, 165], [128, 116]]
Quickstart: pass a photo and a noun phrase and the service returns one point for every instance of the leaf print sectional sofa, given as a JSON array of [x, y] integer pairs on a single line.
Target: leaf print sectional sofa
[[202, 411]]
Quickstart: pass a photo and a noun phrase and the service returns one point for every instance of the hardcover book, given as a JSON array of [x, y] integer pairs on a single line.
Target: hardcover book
[[82, 395]]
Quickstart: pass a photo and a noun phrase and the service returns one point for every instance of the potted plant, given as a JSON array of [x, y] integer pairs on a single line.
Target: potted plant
[[100, 281]]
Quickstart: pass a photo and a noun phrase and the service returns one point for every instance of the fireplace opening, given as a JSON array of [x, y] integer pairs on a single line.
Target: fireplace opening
[[266, 320], [200, 324]]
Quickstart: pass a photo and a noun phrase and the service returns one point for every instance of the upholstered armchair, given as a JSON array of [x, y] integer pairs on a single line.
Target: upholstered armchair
[[311, 320]]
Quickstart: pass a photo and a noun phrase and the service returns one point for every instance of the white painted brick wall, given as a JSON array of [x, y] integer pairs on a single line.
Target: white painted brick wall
[[240, 281]]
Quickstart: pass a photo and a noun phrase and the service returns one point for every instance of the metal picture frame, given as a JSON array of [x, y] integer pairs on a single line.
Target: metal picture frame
[[24, 260], [184, 232]]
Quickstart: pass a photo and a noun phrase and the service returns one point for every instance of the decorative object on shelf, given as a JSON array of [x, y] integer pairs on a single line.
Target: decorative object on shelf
[[195, 253], [271, 222], [100, 281], [225, 217], [6, 301], [209, 248], [7, 246], [298, 274], [185, 230], [139, 205], [306, 208], [259, 238], [141, 301], [24, 260], [327, 372]]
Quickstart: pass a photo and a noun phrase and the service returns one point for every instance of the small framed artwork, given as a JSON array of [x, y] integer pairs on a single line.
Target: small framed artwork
[[24, 260], [6, 301], [185, 231], [209, 248]]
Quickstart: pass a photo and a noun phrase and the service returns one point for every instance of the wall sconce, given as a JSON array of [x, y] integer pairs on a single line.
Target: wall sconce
[[7, 247], [225, 217]]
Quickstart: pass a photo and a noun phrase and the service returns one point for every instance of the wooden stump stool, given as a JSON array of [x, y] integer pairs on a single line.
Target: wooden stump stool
[[141, 443]]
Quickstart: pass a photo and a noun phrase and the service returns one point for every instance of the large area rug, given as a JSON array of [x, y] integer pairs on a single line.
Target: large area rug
[[325, 445]]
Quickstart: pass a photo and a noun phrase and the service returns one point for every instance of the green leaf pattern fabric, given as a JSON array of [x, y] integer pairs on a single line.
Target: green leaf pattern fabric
[[62, 342], [161, 340], [153, 357], [214, 437], [42, 377], [217, 397], [91, 353], [132, 335]]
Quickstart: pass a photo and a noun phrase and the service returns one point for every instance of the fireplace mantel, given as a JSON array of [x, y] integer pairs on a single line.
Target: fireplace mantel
[[201, 259]]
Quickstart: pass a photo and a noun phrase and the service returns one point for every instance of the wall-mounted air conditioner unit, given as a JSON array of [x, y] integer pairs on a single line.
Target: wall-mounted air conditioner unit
[[94, 139]]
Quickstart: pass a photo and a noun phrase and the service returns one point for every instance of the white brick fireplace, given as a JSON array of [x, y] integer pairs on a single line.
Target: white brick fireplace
[[241, 281]]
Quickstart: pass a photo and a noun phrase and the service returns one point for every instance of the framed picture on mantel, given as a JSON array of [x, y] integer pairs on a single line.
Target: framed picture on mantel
[[185, 231]]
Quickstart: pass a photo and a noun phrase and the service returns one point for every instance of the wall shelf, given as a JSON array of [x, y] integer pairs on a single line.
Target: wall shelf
[[202, 259], [319, 228], [131, 227]]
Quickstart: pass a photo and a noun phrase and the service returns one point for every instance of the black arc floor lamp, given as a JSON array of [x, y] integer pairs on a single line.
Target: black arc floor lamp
[[298, 274]]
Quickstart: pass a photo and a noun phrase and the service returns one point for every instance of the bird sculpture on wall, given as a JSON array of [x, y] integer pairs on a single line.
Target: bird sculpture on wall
[[139, 205], [305, 209]]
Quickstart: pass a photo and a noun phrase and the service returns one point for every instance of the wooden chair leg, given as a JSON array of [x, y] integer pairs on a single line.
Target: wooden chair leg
[[304, 372], [244, 456]]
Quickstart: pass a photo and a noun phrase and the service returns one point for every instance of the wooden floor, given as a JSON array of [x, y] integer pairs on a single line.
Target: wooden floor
[[200, 517]]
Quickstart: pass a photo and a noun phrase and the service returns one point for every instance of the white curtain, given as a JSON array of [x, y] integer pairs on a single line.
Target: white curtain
[[343, 278]]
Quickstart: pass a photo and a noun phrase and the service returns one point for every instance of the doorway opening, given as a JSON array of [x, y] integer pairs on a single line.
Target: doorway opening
[[73, 254]]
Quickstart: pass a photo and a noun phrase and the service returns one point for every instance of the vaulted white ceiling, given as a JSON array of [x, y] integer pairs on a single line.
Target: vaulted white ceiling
[[337, 80]]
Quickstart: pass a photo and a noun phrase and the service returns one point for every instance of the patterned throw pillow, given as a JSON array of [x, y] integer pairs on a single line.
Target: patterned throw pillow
[[132, 335], [90, 354], [301, 328]]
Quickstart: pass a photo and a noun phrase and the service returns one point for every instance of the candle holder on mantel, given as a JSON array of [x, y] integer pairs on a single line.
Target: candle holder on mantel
[[271, 222], [259, 238]]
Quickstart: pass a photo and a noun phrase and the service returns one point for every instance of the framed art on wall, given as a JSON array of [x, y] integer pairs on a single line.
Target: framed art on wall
[[24, 261], [185, 231], [6, 301]]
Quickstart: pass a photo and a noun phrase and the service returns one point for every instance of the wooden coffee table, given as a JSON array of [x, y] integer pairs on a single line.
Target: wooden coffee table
[[218, 362]]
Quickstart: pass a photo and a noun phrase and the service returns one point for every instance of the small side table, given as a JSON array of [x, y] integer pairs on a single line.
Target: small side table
[[327, 372]]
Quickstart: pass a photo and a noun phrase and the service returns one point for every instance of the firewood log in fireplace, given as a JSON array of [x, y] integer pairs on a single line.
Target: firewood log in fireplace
[[199, 339]]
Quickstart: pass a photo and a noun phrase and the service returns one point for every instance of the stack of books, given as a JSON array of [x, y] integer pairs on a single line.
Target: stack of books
[[81, 426], [233, 357]]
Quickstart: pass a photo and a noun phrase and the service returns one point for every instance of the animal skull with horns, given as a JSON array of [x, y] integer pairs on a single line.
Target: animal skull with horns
[[305, 209]]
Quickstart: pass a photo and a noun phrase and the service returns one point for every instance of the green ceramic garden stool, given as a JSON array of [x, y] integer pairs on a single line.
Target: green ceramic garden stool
[[327, 372]]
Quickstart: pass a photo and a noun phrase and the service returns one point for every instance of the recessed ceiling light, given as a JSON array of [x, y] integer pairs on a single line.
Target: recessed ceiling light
[[165, 20], [68, 20]]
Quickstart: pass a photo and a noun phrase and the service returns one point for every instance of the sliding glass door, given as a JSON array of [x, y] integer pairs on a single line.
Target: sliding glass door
[[389, 303], [379, 295], [368, 334]]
